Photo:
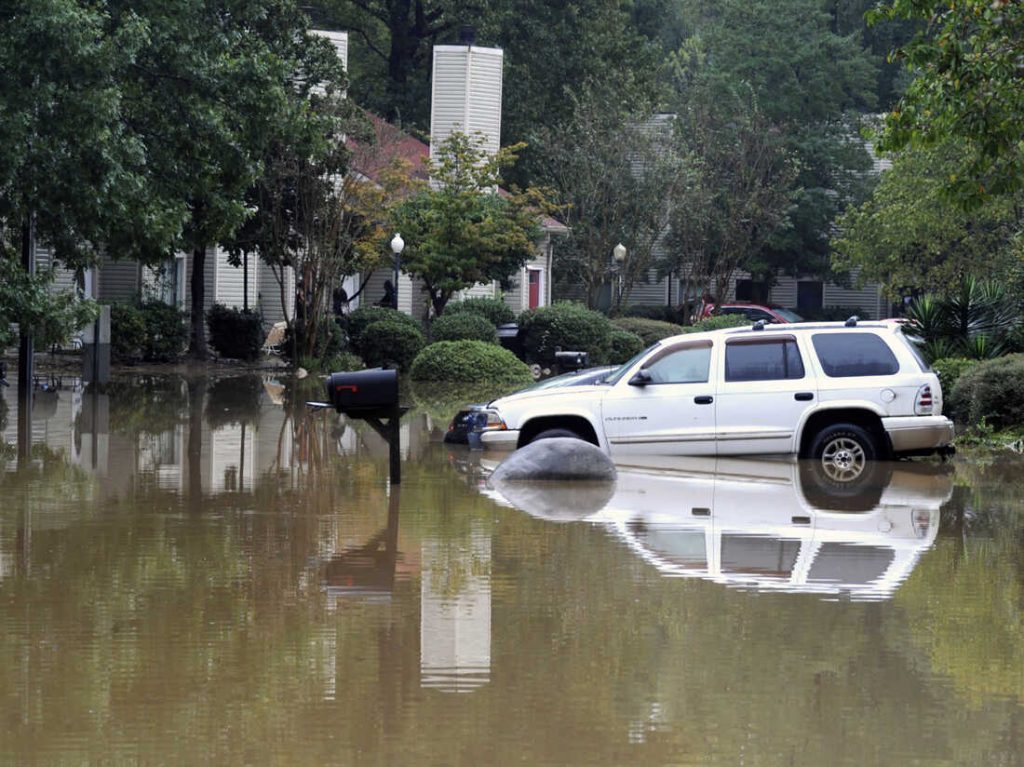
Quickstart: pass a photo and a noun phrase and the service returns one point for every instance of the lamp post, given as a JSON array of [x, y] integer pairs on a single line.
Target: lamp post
[[397, 246], [618, 259]]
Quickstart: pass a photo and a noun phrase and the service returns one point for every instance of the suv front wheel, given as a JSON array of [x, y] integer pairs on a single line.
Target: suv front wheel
[[843, 450]]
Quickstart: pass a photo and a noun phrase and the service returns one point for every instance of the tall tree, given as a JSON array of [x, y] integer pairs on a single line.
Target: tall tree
[[617, 175], [464, 230], [911, 234], [208, 91], [968, 86], [811, 77], [741, 193]]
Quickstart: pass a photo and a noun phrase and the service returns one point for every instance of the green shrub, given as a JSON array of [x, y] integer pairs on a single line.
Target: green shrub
[[949, 370], [623, 345], [650, 331], [166, 332], [494, 309], [153, 332], [390, 343], [470, 362], [127, 333], [365, 316], [992, 392], [235, 333], [343, 362], [464, 326], [330, 341], [570, 326]]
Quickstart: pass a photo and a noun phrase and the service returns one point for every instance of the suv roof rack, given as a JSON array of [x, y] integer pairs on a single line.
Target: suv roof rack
[[851, 322]]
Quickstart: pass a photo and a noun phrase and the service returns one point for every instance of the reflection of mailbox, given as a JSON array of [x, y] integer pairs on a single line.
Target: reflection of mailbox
[[363, 390]]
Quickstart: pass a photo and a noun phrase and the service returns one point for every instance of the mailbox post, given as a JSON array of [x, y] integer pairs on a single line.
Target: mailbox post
[[372, 396]]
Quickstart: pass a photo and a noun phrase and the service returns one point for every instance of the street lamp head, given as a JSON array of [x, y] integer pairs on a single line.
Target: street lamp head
[[397, 244], [619, 253]]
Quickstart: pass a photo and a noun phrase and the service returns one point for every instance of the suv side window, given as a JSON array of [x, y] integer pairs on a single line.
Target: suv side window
[[689, 364], [769, 359], [845, 355]]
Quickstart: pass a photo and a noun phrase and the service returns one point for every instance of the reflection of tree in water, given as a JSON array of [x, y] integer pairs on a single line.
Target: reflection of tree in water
[[234, 400], [147, 404]]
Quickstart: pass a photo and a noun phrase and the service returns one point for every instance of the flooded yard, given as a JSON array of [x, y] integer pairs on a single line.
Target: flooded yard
[[206, 571]]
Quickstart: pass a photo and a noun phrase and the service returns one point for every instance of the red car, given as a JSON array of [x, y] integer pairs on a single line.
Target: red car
[[753, 312]]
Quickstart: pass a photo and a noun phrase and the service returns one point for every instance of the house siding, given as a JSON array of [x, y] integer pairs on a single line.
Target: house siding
[[119, 281], [466, 94]]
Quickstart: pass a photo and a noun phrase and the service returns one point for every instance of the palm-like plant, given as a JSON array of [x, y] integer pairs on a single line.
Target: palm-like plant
[[976, 320]]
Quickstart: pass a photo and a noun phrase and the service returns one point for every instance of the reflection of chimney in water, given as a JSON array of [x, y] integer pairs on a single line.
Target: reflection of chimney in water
[[455, 615]]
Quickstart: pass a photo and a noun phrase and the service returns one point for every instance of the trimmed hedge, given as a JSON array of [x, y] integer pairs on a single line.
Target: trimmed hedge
[[623, 345], [365, 316], [390, 343], [152, 331], [464, 326], [992, 392], [949, 371], [470, 362], [650, 331], [570, 326], [235, 333], [494, 309], [717, 322]]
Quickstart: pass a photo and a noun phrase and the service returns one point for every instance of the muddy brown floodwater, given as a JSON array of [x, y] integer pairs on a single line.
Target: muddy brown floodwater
[[204, 572]]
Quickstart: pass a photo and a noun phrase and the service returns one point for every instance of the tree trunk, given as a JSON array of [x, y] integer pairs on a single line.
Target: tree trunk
[[197, 346]]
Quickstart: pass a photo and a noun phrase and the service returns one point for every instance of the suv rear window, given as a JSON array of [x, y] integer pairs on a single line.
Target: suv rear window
[[773, 359], [845, 355]]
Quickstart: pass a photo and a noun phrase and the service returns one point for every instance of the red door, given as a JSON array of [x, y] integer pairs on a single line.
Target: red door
[[534, 287]]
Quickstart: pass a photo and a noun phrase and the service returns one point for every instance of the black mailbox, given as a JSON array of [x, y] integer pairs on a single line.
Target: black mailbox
[[363, 390]]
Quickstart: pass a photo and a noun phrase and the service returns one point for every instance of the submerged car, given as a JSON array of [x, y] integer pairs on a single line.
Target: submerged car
[[842, 393], [472, 419]]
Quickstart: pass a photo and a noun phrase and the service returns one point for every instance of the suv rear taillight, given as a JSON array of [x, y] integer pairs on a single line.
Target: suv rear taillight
[[924, 404]]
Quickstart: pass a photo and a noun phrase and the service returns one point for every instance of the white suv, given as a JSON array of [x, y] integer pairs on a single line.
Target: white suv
[[843, 393]]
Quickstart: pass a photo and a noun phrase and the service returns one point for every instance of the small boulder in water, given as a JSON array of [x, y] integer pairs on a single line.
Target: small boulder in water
[[558, 458]]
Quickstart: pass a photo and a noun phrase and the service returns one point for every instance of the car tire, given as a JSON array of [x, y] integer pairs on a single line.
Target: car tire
[[843, 451], [864, 493], [553, 433]]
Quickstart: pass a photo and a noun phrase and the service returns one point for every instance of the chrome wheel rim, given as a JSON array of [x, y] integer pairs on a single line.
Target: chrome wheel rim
[[843, 459]]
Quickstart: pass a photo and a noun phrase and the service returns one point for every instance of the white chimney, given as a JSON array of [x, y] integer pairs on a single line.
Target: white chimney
[[340, 42], [466, 93]]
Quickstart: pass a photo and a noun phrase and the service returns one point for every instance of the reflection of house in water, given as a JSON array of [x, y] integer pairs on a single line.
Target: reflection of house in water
[[455, 614]]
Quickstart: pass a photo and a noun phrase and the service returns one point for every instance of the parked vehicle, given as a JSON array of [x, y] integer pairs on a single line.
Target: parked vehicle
[[842, 393], [766, 525], [752, 312]]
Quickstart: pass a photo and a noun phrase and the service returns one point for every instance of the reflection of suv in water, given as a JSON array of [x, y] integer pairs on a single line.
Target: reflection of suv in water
[[765, 525], [842, 393]]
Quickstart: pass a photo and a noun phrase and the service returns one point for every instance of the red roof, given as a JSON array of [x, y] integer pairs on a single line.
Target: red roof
[[391, 143]]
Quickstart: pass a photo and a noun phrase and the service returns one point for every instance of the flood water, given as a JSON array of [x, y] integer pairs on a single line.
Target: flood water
[[205, 571]]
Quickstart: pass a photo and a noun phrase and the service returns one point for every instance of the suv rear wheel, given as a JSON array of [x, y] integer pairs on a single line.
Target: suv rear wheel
[[843, 450]]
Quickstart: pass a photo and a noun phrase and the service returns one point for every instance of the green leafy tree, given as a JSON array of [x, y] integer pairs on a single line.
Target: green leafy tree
[[966, 57], [208, 91], [910, 233], [462, 230], [811, 75], [29, 301], [739, 198]]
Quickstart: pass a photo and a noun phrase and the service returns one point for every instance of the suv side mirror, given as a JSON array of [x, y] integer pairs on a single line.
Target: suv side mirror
[[640, 378]]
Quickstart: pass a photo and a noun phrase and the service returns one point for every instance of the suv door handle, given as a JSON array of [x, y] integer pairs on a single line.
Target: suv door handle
[[803, 396], [704, 399]]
